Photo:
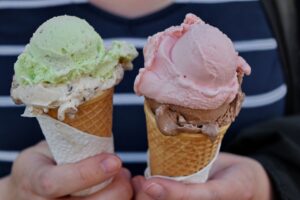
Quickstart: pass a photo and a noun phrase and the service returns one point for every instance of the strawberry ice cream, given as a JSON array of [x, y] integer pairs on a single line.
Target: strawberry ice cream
[[193, 65], [192, 78]]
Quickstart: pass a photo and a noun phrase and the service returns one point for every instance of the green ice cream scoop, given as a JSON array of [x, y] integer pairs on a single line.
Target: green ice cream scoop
[[66, 48]]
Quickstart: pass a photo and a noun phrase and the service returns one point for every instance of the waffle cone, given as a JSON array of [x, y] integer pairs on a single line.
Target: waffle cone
[[179, 155], [94, 116]]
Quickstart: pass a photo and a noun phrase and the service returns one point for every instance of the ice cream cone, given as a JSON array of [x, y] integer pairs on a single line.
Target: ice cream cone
[[77, 141], [94, 116], [179, 155], [62, 94]]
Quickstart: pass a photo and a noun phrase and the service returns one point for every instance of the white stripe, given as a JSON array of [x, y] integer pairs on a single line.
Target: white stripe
[[127, 157], [6, 101], [255, 45], [241, 46], [36, 4], [266, 98], [22, 4], [133, 157], [8, 156], [126, 99], [11, 50], [212, 1], [118, 100]]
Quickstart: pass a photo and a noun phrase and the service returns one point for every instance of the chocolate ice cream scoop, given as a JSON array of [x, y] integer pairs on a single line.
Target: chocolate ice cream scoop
[[173, 119]]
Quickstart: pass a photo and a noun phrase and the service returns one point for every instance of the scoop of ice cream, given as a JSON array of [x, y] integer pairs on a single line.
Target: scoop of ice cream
[[174, 119], [66, 64], [65, 48], [193, 65]]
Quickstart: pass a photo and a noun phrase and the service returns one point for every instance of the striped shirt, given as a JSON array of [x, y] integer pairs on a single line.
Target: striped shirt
[[243, 21]]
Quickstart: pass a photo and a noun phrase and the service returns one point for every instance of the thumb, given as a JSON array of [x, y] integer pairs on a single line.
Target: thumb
[[56, 181], [163, 189]]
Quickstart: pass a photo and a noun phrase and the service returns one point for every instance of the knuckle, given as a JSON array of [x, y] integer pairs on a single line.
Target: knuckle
[[84, 174], [89, 172], [47, 186]]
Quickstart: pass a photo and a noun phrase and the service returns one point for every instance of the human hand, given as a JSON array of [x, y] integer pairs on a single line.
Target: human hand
[[36, 177], [232, 177]]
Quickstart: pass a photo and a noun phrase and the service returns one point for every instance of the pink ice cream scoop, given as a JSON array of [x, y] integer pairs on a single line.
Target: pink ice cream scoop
[[193, 65]]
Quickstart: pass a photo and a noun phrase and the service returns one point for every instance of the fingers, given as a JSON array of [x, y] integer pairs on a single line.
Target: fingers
[[163, 189], [233, 178], [36, 172], [138, 183], [120, 188], [55, 181], [29, 161]]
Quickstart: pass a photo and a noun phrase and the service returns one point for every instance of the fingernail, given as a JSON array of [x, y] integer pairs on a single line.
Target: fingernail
[[110, 165], [155, 191], [126, 173]]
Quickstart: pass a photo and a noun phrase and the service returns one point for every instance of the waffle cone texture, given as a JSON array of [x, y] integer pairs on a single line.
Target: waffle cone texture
[[94, 116], [180, 155]]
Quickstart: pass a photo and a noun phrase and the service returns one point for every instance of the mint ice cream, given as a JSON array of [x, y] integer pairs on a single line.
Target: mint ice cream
[[65, 48], [66, 52]]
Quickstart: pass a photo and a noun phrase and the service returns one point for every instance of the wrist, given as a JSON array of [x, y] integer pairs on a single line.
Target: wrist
[[6, 188]]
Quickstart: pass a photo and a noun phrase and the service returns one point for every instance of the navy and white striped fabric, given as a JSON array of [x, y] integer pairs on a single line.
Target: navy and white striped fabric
[[242, 20]]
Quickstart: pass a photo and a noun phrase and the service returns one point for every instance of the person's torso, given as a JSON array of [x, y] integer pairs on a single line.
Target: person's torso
[[243, 21]]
